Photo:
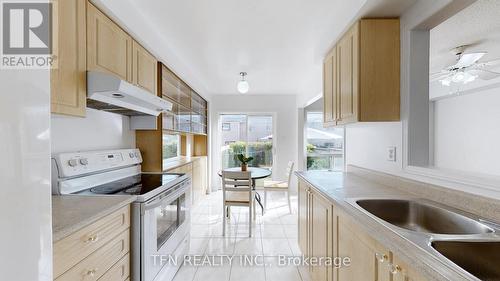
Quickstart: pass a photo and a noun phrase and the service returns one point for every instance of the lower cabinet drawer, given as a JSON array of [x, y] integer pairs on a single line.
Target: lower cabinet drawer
[[71, 250], [119, 272], [98, 263]]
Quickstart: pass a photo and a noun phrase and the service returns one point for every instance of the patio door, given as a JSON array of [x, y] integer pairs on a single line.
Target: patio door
[[248, 134]]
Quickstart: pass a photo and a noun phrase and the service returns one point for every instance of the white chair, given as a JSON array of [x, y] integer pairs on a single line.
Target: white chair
[[237, 190], [283, 186]]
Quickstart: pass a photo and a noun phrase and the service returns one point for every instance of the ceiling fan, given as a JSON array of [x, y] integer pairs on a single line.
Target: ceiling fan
[[466, 69]]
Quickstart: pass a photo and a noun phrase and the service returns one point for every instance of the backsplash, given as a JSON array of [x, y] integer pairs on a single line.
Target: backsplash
[[98, 130]]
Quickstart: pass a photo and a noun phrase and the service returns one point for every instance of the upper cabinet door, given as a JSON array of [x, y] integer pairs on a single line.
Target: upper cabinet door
[[68, 79], [329, 103], [109, 48], [144, 73], [347, 53]]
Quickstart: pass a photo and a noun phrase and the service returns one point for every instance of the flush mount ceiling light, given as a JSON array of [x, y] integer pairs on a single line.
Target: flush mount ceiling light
[[243, 86]]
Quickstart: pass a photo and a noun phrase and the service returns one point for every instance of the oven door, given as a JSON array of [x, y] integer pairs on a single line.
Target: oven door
[[166, 225]]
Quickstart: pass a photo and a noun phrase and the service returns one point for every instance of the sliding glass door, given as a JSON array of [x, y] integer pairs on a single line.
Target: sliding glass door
[[248, 134]]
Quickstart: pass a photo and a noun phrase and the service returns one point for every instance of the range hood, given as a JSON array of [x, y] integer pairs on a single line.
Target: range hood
[[110, 93]]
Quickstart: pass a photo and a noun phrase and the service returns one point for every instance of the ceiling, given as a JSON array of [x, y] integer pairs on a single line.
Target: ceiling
[[477, 25], [279, 43]]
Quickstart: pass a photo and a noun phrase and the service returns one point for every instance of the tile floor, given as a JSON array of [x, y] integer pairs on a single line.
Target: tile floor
[[273, 234]]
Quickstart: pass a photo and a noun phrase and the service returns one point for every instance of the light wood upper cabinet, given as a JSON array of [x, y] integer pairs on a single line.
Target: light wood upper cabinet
[[109, 48], [68, 77], [144, 66], [366, 77], [329, 102], [347, 83]]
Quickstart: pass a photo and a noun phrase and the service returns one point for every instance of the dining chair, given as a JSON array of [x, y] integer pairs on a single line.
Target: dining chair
[[270, 185], [237, 190]]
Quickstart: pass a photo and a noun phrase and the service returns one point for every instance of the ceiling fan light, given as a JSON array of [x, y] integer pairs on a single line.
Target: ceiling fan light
[[458, 77], [445, 82], [469, 78]]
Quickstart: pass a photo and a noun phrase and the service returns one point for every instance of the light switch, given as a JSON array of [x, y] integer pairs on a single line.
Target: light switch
[[391, 153]]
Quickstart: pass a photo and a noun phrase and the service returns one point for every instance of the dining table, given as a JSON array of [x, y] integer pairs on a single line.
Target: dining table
[[255, 174]]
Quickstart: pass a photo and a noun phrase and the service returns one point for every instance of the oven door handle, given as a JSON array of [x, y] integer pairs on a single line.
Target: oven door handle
[[157, 202]]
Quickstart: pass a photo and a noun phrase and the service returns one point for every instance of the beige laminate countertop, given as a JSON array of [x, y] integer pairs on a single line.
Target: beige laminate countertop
[[183, 160], [340, 188], [70, 213]]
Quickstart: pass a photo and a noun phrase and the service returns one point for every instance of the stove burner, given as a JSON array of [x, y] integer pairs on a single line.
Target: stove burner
[[135, 185], [116, 186]]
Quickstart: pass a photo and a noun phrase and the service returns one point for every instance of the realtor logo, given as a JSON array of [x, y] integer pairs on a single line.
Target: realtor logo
[[27, 34]]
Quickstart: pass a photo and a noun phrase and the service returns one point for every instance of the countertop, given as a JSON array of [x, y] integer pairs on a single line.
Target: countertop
[[71, 213], [181, 161], [339, 187]]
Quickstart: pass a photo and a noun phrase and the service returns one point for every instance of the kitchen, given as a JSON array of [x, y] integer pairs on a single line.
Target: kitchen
[[376, 143]]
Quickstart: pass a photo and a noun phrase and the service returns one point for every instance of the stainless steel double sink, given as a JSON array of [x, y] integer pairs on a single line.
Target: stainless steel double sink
[[465, 240]]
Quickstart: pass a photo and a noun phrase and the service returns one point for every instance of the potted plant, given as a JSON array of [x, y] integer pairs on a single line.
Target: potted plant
[[244, 161]]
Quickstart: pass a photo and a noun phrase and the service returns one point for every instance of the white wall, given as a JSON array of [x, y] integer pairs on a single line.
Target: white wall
[[285, 108], [366, 145], [466, 134], [25, 211], [98, 130]]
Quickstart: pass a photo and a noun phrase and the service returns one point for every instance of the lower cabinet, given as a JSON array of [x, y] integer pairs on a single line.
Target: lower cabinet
[[98, 251], [198, 171], [316, 231], [199, 181], [369, 259], [326, 231]]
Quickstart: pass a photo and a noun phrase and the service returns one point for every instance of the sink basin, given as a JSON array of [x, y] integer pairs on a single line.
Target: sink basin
[[422, 217], [480, 259]]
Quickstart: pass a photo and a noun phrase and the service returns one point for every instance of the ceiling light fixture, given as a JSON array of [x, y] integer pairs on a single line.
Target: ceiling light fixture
[[463, 77], [243, 86]]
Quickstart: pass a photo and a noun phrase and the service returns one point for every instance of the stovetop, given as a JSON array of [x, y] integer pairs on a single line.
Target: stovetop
[[134, 185]]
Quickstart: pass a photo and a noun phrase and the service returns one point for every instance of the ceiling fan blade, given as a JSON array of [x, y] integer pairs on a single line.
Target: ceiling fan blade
[[440, 77], [491, 63], [484, 74], [469, 59]]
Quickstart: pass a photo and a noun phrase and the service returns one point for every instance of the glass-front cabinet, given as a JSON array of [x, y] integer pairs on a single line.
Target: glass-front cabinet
[[189, 112]]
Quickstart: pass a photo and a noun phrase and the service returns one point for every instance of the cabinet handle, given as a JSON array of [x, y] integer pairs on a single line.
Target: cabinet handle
[[381, 257], [394, 269], [92, 238]]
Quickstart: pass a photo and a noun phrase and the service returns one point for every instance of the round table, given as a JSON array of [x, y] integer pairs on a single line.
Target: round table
[[255, 174]]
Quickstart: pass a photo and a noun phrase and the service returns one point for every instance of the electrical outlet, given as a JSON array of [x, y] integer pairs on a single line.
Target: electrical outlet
[[391, 153]]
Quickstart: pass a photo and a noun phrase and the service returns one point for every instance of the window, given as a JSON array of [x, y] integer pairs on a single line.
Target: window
[[171, 146], [247, 134], [226, 126], [325, 146]]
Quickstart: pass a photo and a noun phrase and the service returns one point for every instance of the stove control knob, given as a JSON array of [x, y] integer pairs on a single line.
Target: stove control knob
[[84, 161], [131, 154], [72, 162]]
